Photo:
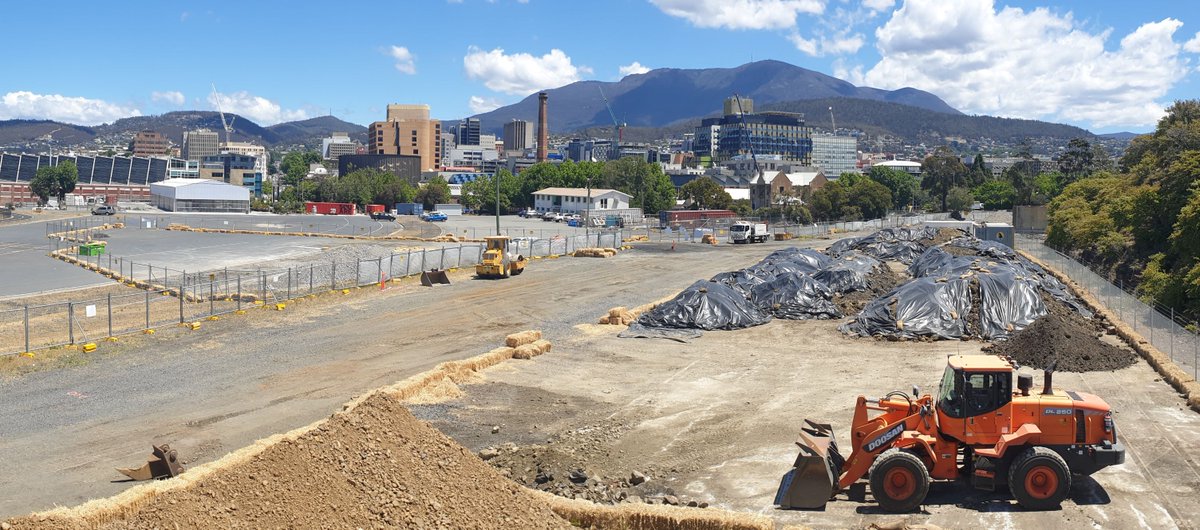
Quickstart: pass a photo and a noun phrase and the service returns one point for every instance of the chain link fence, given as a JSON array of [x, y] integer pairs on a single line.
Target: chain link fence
[[170, 296], [1171, 333], [695, 231]]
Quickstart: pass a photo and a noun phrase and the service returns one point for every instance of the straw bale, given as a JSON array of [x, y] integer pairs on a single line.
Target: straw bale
[[521, 338]]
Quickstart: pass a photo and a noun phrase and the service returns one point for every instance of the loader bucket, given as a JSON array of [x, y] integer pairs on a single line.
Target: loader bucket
[[433, 277], [163, 463], [813, 478]]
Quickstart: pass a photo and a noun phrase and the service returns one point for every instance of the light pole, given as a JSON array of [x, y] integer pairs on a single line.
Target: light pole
[[497, 177], [587, 212]]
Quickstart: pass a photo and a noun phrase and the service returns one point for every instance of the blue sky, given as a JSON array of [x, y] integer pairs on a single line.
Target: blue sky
[[1103, 65]]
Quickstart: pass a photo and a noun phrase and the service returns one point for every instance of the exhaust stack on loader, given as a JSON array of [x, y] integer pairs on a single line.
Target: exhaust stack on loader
[[1031, 443]]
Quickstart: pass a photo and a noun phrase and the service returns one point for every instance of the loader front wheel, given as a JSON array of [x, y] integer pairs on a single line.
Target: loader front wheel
[[1039, 479], [899, 481]]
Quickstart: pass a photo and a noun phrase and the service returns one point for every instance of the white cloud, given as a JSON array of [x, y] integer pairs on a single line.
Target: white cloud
[[173, 97], [405, 60], [818, 46], [740, 14], [1193, 45], [76, 110], [521, 73], [262, 110], [480, 104], [633, 68], [878, 5], [1028, 64]]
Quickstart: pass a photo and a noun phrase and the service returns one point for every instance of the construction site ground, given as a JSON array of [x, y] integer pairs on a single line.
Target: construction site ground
[[710, 421]]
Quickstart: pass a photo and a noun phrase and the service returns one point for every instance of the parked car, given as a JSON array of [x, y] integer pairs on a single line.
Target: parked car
[[558, 217], [549, 216], [103, 209], [435, 216], [382, 216], [528, 213]]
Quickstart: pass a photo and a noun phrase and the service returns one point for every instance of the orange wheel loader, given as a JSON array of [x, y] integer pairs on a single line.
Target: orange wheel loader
[[977, 428]]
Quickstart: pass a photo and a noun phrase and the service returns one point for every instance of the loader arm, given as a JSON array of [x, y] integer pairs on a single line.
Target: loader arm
[[870, 437]]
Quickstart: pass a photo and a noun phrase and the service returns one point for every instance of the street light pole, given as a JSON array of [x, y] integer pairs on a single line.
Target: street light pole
[[497, 177], [587, 213]]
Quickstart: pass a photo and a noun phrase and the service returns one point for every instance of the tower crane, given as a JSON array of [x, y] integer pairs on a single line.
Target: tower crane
[[618, 128], [227, 125]]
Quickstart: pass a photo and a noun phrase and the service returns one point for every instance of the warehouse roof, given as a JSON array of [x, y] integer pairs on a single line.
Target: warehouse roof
[[578, 192]]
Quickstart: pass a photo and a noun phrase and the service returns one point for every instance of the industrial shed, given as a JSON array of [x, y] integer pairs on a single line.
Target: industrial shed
[[199, 195]]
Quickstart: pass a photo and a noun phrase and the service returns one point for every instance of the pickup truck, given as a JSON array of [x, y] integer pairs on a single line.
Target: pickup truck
[[435, 216]]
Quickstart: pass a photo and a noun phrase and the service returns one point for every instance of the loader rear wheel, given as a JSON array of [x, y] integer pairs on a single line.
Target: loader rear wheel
[[1039, 479], [899, 481]]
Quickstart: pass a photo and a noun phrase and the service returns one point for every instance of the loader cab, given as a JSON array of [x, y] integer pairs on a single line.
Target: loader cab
[[975, 397]]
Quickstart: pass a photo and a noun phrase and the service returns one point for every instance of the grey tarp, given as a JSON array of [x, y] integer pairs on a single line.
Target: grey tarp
[[902, 244], [848, 273], [921, 307], [1009, 301], [742, 280], [795, 296], [706, 305]]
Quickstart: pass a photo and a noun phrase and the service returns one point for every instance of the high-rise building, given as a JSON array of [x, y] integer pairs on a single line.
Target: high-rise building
[[338, 144], [781, 134], [835, 154], [230, 168], [732, 109], [199, 144], [408, 131], [245, 148], [467, 132], [150, 143], [518, 135]]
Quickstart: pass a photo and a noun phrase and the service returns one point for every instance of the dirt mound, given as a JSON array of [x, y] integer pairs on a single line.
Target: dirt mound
[[1066, 336], [372, 466], [879, 283]]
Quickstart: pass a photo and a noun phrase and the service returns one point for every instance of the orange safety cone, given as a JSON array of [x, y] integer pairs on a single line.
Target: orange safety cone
[[383, 281]]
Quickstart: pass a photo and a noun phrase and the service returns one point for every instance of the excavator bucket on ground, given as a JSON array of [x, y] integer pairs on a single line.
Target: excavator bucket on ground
[[163, 463], [433, 277], [813, 478]]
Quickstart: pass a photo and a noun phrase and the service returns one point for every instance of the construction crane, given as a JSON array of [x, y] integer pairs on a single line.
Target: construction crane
[[618, 127], [746, 131], [227, 125]]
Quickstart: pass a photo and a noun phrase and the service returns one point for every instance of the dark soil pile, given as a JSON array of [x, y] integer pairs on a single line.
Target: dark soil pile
[[1066, 339], [374, 466], [879, 283]]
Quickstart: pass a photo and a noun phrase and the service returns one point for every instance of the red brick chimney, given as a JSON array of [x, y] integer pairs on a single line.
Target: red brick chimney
[[543, 139]]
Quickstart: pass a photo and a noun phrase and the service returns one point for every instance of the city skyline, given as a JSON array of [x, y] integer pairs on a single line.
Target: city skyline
[[1104, 66]]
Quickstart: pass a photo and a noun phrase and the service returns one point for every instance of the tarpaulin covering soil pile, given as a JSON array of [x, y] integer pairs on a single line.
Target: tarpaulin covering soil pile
[[919, 308], [992, 292], [706, 305], [901, 244], [795, 296], [848, 273]]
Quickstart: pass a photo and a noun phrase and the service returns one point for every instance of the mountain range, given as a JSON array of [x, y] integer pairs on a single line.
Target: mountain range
[[666, 96], [172, 124]]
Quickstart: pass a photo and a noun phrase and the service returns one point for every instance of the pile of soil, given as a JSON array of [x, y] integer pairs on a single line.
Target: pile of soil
[[373, 466], [1067, 339], [879, 283], [943, 236], [575, 474]]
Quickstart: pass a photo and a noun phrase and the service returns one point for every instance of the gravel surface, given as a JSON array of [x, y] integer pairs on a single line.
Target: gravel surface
[[374, 466]]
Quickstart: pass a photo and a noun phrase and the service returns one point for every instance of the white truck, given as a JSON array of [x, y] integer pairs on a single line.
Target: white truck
[[747, 232]]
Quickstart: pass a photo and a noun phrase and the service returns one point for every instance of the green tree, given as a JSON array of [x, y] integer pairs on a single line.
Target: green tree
[[295, 166], [481, 192], [959, 199], [741, 207], [941, 172], [902, 184], [651, 189], [436, 191], [704, 193], [851, 199], [979, 172], [995, 194], [1078, 161], [54, 181]]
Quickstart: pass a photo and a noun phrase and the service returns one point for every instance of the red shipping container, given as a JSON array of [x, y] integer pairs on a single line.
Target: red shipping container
[[330, 208], [376, 208]]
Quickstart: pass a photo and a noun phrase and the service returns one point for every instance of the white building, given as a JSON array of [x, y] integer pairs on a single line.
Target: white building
[[575, 200], [835, 154], [913, 168], [338, 144], [245, 148], [199, 195]]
